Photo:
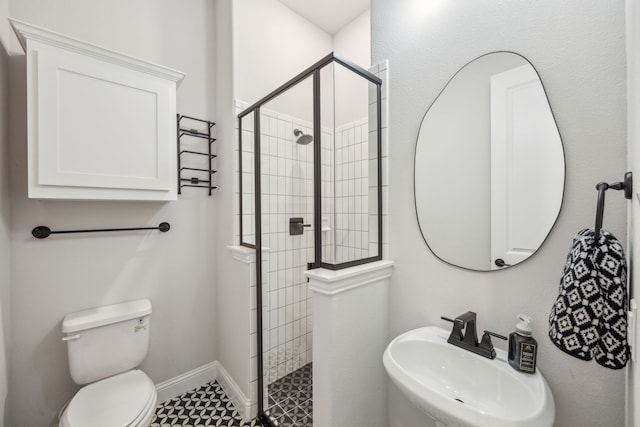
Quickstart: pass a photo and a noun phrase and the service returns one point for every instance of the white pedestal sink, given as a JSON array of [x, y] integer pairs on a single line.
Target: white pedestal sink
[[458, 388]]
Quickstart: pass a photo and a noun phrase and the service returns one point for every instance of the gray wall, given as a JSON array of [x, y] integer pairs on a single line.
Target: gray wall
[[271, 45], [633, 127], [5, 212], [232, 281], [577, 46], [53, 277]]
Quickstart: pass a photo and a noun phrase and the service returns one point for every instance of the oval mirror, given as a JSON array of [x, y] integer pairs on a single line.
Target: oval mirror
[[489, 165]]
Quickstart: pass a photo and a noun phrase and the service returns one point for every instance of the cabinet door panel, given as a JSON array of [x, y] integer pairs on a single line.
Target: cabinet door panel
[[99, 125]]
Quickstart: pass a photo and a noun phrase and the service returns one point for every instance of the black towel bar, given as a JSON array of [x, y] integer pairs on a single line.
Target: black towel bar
[[42, 231], [626, 185]]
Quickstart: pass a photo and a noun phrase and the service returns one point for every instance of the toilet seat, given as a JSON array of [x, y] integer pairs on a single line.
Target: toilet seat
[[123, 400]]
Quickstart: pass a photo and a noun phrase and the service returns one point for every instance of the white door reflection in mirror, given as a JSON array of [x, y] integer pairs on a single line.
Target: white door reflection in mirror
[[489, 165], [523, 137]]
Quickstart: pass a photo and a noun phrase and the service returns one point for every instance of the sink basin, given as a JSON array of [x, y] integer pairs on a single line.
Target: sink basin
[[460, 389]]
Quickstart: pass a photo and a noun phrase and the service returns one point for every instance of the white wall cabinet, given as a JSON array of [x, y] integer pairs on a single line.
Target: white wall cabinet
[[101, 125]]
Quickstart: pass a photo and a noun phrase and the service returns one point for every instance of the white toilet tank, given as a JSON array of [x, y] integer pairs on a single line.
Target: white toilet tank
[[106, 341]]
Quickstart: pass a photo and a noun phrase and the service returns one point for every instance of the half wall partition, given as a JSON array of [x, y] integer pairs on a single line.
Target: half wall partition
[[310, 196]]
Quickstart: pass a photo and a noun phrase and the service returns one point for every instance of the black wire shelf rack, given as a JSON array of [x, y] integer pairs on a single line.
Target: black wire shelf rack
[[192, 176]]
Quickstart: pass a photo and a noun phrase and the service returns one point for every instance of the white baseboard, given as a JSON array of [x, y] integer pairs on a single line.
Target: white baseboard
[[240, 401], [183, 383], [195, 378]]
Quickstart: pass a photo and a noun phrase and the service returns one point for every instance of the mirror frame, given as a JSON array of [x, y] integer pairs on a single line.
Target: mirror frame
[[564, 161]]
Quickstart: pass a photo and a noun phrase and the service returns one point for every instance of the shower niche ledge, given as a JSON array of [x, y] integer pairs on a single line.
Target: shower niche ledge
[[101, 125]]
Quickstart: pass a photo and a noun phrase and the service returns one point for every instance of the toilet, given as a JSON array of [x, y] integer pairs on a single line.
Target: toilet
[[105, 345]]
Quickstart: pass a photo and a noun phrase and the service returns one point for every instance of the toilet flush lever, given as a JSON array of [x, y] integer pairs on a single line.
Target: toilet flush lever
[[71, 337]]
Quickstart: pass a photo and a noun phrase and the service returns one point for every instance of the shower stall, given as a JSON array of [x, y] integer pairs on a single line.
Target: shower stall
[[309, 197]]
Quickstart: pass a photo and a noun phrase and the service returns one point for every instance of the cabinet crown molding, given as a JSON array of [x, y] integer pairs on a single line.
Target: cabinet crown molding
[[26, 32]]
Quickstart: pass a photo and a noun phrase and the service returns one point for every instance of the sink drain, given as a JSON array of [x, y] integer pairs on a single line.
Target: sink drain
[[459, 400]]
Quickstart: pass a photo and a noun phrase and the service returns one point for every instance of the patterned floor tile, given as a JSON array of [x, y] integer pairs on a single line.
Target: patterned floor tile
[[286, 421], [307, 406], [274, 412], [204, 406], [290, 399], [304, 421]]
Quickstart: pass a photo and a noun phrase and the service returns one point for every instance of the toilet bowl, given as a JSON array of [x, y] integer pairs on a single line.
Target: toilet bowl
[[127, 399], [105, 345]]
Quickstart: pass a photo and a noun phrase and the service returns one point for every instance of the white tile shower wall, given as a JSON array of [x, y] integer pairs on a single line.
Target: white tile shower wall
[[352, 191], [381, 70], [351, 173], [287, 191], [327, 174], [246, 211]]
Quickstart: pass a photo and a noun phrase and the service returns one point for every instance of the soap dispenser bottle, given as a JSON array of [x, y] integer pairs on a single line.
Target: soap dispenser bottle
[[523, 348]]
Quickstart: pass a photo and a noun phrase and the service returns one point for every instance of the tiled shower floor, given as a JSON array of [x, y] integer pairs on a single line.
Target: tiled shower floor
[[290, 399]]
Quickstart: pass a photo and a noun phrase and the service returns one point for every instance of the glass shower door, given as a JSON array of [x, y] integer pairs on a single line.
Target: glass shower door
[[287, 231]]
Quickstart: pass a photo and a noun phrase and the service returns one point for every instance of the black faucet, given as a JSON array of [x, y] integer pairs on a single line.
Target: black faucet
[[464, 335]]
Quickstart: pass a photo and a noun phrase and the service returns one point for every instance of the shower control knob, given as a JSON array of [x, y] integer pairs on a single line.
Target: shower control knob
[[296, 226]]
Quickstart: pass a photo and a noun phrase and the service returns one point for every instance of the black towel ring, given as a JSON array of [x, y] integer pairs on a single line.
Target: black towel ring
[[626, 185]]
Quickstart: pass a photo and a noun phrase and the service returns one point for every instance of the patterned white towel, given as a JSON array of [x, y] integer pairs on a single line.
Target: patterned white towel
[[589, 318]]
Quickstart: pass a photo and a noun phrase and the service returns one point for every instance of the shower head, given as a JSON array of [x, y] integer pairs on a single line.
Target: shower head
[[302, 138]]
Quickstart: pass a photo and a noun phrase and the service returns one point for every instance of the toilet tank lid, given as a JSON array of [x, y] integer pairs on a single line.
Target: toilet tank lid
[[99, 316]]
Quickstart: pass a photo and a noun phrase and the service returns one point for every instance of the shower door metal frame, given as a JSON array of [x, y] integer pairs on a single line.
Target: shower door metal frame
[[314, 72]]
